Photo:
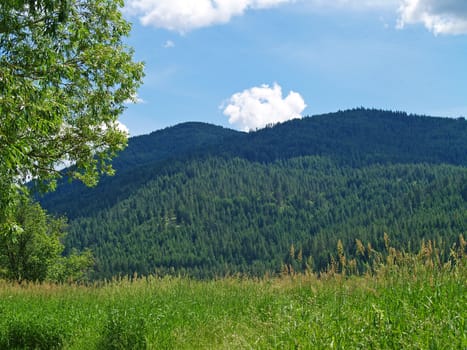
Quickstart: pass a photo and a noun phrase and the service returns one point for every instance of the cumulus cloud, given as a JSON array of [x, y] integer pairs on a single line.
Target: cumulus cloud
[[185, 15], [439, 16], [259, 106]]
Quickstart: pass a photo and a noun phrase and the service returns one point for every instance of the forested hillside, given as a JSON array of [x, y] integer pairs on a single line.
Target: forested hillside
[[144, 157], [208, 201]]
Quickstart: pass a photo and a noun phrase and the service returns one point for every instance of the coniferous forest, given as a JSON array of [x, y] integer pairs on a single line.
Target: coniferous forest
[[205, 201]]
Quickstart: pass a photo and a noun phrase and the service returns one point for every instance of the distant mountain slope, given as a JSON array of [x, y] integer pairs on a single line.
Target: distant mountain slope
[[219, 216], [356, 137], [361, 137], [207, 201], [138, 163], [171, 142]]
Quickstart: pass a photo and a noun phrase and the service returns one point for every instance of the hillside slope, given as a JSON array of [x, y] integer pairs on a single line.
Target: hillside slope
[[141, 161], [209, 201]]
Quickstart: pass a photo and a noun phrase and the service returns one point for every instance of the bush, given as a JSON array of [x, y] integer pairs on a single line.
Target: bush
[[32, 334]]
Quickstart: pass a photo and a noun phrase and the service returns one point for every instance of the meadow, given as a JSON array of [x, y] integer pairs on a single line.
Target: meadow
[[407, 302]]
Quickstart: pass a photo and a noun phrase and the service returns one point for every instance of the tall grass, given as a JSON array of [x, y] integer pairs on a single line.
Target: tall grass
[[404, 302]]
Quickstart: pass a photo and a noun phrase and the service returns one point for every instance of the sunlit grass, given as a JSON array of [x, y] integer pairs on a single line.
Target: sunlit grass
[[410, 305]]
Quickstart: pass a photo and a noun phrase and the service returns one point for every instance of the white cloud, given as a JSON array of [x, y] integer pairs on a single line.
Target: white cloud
[[116, 125], [438, 16], [185, 15], [135, 99], [259, 106], [123, 127], [169, 44]]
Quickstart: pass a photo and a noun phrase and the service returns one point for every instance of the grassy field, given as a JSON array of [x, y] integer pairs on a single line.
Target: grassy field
[[415, 305]]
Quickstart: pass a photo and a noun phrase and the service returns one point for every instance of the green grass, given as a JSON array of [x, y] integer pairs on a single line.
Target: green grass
[[399, 307]]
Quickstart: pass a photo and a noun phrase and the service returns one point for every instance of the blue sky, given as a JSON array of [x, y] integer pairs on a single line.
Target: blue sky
[[246, 63]]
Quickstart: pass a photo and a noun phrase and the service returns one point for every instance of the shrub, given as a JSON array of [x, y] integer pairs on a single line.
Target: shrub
[[32, 334]]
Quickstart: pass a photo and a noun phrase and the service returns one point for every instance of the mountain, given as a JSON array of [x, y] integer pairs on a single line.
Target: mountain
[[205, 200], [144, 157]]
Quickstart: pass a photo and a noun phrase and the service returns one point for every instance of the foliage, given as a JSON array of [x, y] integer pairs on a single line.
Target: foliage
[[75, 267], [34, 252], [33, 334], [409, 305], [218, 217], [355, 138], [208, 201], [360, 137], [65, 75], [136, 165], [29, 13]]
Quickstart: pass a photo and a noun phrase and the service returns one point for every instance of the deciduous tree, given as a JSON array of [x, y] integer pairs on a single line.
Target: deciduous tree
[[34, 253], [65, 75]]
